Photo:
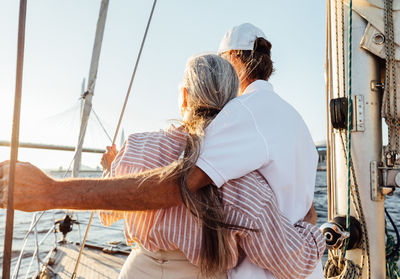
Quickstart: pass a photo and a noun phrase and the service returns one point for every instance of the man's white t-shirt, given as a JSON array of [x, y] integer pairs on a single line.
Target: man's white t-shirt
[[260, 131]]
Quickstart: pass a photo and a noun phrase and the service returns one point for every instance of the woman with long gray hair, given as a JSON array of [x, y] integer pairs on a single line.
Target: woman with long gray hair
[[203, 236]]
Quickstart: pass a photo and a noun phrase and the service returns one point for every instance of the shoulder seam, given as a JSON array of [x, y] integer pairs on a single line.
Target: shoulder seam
[[257, 129]]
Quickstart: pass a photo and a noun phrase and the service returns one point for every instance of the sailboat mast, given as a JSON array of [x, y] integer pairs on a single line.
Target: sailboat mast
[[87, 96], [366, 137], [83, 87]]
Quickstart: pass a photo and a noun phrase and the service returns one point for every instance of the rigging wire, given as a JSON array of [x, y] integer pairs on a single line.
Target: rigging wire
[[101, 124], [328, 92], [349, 122], [63, 114], [134, 71]]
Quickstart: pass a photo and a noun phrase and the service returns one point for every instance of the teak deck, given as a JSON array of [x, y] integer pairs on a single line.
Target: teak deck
[[94, 263]]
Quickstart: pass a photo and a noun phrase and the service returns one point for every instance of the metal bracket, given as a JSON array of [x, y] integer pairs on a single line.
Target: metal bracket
[[376, 194], [384, 180], [376, 85], [358, 114]]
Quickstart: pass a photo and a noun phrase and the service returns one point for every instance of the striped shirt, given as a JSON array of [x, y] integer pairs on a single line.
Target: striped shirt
[[287, 251]]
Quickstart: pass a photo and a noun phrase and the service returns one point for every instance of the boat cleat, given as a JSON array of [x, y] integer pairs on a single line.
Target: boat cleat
[[65, 226]]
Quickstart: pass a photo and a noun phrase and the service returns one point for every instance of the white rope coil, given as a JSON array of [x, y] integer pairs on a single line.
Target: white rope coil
[[341, 269]]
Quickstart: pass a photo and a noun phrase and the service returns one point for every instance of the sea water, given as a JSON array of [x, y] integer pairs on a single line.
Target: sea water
[[101, 236]]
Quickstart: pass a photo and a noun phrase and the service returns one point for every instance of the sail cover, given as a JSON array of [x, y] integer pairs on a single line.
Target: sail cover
[[373, 11]]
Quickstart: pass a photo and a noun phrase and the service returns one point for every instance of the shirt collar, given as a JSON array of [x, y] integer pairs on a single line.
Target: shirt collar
[[258, 84]]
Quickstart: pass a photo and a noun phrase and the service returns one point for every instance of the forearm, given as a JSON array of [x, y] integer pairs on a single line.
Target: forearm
[[122, 193], [36, 191]]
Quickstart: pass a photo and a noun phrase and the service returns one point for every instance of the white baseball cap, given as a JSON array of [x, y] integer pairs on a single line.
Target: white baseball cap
[[240, 37]]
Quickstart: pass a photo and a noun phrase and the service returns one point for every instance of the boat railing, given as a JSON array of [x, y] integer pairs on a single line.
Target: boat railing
[[32, 234], [33, 230], [36, 255]]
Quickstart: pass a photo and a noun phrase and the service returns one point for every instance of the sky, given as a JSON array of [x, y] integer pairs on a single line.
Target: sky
[[59, 42]]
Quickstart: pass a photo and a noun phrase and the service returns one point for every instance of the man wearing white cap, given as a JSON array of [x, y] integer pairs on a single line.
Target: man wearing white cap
[[260, 131]]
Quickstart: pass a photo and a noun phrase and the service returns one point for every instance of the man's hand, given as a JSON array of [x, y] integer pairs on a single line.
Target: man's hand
[[31, 187], [108, 157], [311, 216]]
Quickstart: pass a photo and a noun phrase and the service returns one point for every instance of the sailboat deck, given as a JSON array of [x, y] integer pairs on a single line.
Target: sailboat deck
[[94, 263]]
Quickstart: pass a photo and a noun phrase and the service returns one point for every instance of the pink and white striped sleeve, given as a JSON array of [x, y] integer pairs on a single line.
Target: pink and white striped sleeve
[[285, 250], [108, 217]]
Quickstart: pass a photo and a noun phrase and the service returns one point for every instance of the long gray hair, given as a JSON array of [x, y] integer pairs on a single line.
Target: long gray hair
[[211, 82]]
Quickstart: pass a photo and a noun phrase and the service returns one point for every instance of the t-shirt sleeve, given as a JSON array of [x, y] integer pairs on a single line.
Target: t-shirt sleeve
[[233, 145]]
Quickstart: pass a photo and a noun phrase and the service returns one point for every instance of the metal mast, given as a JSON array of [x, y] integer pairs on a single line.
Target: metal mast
[[366, 138], [87, 96]]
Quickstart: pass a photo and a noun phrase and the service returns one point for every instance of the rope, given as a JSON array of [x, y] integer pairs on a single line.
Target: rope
[[328, 92], [390, 89], [74, 274], [393, 147], [342, 49], [356, 199], [387, 77], [349, 122], [343, 52], [349, 270], [337, 50], [134, 72]]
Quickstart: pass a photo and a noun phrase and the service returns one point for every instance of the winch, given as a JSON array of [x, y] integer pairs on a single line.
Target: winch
[[335, 233]]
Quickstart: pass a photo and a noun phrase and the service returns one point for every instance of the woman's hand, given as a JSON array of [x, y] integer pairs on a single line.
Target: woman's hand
[[108, 157]]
